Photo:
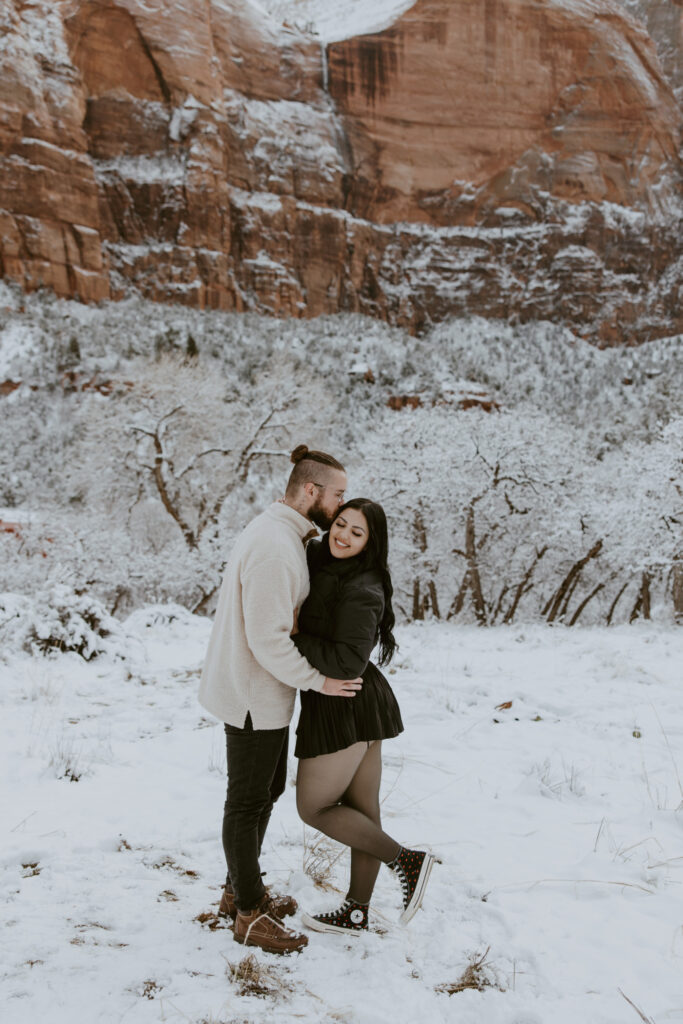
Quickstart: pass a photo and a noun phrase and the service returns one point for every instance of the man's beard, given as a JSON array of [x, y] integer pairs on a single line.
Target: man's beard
[[319, 516]]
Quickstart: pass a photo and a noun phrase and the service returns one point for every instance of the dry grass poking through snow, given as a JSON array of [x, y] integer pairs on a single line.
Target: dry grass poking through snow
[[320, 857], [66, 760], [212, 920], [252, 978], [476, 976]]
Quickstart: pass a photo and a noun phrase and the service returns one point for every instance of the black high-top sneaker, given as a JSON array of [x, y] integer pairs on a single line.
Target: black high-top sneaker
[[351, 917], [413, 868]]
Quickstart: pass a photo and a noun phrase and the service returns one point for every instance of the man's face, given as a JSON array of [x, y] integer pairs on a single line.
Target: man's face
[[328, 497]]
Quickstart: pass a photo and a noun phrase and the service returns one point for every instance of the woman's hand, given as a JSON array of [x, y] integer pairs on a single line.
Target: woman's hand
[[295, 625]]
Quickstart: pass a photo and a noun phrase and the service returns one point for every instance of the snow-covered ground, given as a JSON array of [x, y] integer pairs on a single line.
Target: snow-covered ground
[[558, 820]]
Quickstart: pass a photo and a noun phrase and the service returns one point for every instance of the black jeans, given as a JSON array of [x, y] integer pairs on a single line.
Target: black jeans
[[257, 773]]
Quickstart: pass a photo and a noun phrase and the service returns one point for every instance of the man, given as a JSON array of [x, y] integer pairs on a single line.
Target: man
[[250, 677]]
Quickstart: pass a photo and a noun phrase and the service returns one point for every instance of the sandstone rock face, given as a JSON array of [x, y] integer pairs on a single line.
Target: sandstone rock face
[[509, 158], [565, 96], [49, 202]]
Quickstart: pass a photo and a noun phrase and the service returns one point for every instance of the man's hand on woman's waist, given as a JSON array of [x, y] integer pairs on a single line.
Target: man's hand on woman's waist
[[341, 687]]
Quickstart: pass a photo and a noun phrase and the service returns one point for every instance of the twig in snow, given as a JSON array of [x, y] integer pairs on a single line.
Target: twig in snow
[[597, 838], [577, 881], [648, 1020], [668, 747], [663, 863], [22, 822]]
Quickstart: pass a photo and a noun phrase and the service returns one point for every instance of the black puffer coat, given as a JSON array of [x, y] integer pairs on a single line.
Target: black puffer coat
[[338, 629]]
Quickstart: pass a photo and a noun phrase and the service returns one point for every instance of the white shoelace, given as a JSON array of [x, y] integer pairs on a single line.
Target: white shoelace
[[278, 924]]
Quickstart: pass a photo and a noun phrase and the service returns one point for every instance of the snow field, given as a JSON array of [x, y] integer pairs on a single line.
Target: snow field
[[559, 831]]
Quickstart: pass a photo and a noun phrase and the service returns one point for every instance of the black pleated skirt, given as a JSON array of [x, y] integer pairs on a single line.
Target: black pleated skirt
[[327, 723]]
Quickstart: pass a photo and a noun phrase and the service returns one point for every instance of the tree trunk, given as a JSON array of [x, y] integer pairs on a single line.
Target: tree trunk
[[585, 601], [459, 599], [557, 605], [418, 604], [677, 589], [642, 605], [524, 586], [473, 568], [499, 604], [435, 602], [201, 607], [420, 531], [614, 604], [422, 603]]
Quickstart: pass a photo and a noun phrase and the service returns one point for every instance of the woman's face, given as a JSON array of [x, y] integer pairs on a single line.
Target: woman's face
[[348, 533]]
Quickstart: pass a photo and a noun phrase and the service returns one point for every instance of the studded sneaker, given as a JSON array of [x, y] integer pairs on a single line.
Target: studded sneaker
[[283, 906], [351, 917], [413, 868]]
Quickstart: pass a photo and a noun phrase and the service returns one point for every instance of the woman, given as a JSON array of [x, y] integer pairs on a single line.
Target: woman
[[339, 742]]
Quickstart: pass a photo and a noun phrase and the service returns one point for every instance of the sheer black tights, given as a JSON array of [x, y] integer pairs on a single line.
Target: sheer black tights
[[338, 794]]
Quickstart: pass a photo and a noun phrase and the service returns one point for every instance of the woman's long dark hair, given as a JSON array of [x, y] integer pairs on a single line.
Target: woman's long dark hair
[[374, 556]]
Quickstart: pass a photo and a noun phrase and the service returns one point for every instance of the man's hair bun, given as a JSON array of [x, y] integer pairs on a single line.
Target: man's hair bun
[[299, 453], [307, 465]]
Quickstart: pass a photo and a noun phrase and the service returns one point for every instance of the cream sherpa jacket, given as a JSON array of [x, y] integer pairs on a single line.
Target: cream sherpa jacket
[[251, 663]]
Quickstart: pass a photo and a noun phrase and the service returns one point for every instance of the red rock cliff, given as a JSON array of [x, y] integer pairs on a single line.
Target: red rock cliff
[[505, 96], [513, 158]]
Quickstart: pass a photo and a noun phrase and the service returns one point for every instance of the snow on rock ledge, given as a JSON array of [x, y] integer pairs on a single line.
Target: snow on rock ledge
[[335, 21]]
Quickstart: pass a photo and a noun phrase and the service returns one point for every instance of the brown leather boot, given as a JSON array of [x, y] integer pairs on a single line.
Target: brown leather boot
[[260, 927], [283, 906]]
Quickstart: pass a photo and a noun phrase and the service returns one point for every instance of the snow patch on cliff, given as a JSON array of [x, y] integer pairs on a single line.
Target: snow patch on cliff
[[157, 169], [289, 137], [333, 21]]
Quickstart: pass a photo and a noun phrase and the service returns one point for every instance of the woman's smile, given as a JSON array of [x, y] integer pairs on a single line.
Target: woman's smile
[[348, 533]]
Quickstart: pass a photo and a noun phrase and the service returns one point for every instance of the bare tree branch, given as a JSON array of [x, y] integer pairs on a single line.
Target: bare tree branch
[[513, 508], [141, 430], [459, 599], [524, 586], [420, 531], [554, 605], [499, 603], [677, 588], [173, 511], [247, 455], [200, 606], [647, 1020], [421, 603], [169, 502], [168, 415], [642, 605], [473, 567], [193, 461], [596, 590], [614, 604]]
